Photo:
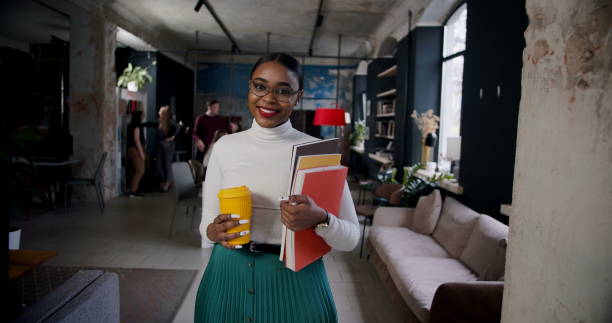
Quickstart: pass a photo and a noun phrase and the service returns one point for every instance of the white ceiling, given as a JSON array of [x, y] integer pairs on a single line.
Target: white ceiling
[[30, 22], [289, 22]]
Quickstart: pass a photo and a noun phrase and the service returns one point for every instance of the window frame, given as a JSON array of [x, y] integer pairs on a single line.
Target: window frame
[[443, 60]]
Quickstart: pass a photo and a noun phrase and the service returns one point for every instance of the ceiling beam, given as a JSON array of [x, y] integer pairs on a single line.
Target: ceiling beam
[[235, 48], [257, 53], [318, 23]]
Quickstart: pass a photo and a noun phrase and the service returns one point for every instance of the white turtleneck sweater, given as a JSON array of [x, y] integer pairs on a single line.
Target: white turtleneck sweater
[[260, 158]]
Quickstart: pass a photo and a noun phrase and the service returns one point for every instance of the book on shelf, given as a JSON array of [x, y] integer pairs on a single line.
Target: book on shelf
[[325, 186], [385, 128], [385, 107], [391, 129]]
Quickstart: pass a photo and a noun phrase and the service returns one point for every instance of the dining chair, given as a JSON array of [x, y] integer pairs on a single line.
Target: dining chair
[[185, 190], [95, 181], [384, 195], [196, 171]]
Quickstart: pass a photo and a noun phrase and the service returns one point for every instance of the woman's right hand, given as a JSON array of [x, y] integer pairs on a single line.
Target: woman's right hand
[[142, 156], [216, 231]]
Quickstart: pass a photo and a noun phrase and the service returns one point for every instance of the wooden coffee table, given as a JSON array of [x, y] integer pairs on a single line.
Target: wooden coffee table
[[21, 261]]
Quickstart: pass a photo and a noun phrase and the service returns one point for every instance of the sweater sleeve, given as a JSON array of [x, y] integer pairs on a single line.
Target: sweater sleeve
[[210, 202], [196, 126], [343, 231]]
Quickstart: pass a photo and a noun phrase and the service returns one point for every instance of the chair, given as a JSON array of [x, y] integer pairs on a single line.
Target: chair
[[185, 190], [386, 175], [196, 171], [384, 195], [94, 181]]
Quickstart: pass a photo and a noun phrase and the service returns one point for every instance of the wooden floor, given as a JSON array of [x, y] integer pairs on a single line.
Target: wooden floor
[[132, 233]]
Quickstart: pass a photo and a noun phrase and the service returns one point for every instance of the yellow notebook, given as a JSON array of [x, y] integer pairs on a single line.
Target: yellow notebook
[[312, 161]]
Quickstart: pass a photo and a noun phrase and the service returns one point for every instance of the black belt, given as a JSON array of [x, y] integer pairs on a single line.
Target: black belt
[[255, 247]]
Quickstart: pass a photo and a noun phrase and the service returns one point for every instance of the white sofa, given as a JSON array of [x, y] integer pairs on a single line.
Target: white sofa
[[465, 254]]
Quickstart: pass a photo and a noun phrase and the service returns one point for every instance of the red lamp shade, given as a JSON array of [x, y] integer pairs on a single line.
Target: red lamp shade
[[329, 117]]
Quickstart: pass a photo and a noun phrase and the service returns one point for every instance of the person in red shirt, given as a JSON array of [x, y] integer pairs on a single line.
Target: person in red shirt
[[205, 127]]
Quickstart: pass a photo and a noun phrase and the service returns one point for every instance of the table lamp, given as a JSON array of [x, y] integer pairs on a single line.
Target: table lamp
[[453, 153]]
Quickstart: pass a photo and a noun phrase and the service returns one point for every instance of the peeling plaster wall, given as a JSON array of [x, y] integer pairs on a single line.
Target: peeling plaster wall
[[559, 264], [92, 97]]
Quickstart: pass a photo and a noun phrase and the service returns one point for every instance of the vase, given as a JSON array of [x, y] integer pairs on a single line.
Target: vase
[[428, 144], [132, 86]]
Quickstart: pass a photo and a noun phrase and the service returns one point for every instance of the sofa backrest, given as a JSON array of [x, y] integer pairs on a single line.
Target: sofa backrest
[[455, 226], [485, 252]]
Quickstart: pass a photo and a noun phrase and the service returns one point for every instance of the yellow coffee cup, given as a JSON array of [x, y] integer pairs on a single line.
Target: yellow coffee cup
[[237, 200]]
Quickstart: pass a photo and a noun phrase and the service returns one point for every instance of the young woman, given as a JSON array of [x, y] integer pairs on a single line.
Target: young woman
[[165, 148], [248, 283], [135, 153]]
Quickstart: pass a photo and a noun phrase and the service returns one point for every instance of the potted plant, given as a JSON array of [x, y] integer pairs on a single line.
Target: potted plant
[[357, 137], [417, 186], [134, 78]]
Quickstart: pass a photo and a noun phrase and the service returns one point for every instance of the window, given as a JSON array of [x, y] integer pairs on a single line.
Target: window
[[452, 81]]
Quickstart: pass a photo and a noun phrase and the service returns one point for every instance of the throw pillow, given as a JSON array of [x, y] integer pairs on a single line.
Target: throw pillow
[[427, 213]]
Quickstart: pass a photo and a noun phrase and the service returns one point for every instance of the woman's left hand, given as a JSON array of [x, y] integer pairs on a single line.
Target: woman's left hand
[[304, 214]]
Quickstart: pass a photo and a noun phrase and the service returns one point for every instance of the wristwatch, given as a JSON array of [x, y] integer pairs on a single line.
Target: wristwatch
[[325, 223]]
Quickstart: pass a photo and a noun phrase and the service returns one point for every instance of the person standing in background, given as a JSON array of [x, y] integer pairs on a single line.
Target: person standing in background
[[135, 152], [206, 125], [165, 149]]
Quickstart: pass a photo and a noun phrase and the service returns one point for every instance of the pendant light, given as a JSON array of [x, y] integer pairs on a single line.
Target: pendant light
[[332, 116]]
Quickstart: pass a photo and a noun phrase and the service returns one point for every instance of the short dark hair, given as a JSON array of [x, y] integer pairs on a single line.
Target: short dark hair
[[287, 61], [211, 102], [136, 118]]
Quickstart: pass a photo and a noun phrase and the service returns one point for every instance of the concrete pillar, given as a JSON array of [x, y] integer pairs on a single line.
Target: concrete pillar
[[93, 101], [559, 261]]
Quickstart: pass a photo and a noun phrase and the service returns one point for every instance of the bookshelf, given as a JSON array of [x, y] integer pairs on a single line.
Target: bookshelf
[[390, 72], [385, 94], [381, 91], [379, 158]]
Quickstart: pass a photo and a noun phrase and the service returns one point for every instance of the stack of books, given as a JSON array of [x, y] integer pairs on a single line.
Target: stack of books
[[315, 171]]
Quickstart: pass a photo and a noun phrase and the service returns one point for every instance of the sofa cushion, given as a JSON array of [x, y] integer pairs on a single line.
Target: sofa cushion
[[483, 248], [427, 213], [400, 242], [417, 279], [455, 226]]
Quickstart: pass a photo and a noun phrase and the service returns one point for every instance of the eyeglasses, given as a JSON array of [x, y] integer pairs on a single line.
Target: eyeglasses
[[282, 94]]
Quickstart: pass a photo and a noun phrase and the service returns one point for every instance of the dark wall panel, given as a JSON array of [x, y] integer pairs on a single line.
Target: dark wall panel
[[491, 95], [425, 78], [175, 88]]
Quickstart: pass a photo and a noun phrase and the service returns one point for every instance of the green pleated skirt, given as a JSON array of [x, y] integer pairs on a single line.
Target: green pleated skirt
[[240, 286]]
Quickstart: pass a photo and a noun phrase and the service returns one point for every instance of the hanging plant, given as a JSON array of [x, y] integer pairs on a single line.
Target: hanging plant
[[134, 78]]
